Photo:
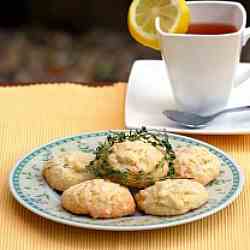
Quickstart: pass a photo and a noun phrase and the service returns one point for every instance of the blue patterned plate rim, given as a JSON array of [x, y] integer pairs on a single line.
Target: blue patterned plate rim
[[234, 193]]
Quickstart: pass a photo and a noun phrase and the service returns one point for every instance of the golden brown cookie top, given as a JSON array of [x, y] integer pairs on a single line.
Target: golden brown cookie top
[[99, 198], [171, 197], [67, 169], [196, 162], [135, 155]]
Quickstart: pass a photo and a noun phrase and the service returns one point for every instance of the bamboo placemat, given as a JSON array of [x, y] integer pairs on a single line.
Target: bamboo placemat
[[33, 115]]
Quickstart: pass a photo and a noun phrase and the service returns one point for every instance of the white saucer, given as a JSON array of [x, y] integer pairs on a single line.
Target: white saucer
[[149, 94]]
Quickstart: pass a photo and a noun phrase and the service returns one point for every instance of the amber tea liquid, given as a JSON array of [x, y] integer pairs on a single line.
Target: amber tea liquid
[[210, 28]]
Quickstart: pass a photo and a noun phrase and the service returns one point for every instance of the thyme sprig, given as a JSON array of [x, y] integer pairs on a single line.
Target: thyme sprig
[[101, 167], [155, 139]]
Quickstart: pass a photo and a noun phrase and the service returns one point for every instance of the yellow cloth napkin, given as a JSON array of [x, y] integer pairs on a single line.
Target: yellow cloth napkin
[[33, 115]]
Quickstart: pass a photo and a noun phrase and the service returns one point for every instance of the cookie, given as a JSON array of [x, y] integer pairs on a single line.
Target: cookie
[[171, 197], [133, 163], [99, 198], [197, 163], [67, 169]]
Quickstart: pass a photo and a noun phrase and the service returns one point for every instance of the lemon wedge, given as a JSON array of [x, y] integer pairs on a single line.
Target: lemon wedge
[[174, 17]]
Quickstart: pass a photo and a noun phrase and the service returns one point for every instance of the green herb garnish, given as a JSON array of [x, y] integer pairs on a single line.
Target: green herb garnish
[[101, 168]]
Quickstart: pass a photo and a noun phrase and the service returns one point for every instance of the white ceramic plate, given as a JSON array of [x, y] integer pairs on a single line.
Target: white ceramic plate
[[30, 189], [149, 94]]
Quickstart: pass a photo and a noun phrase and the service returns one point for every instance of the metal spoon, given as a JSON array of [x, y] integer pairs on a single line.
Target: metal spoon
[[193, 120]]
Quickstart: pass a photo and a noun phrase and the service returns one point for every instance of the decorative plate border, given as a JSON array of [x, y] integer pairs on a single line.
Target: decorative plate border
[[238, 181]]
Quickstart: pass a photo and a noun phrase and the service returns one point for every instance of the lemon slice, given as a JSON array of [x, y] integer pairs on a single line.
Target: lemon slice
[[174, 17]]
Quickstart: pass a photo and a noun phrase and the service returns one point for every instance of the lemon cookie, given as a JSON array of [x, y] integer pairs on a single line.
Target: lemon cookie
[[99, 198], [197, 163], [136, 159], [172, 197], [67, 169]]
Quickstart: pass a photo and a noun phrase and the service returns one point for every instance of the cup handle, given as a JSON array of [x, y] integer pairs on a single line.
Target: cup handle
[[246, 36], [246, 74], [242, 76]]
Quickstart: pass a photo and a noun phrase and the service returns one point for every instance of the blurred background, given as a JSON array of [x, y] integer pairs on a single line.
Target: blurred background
[[77, 40]]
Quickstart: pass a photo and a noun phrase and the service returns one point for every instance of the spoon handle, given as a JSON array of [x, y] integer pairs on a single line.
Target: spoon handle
[[238, 109]]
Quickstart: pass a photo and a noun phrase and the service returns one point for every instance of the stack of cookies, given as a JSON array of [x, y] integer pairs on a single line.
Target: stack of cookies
[[129, 170]]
